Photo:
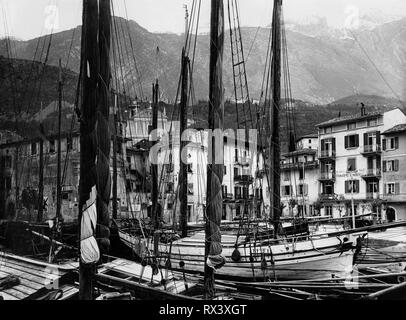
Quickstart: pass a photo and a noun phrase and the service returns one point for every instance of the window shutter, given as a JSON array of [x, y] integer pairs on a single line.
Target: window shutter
[[323, 146], [347, 187], [378, 137], [334, 144], [396, 142], [356, 187], [365, 139], [384, 144], [357, 140], [384, 166], [397, 188], [396, 165], [385, 188], [346, 138], [306, 190]]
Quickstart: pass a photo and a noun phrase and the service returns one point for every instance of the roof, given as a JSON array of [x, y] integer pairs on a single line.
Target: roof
[[349, 118], [396, 129], [300, 152], [310, 135]]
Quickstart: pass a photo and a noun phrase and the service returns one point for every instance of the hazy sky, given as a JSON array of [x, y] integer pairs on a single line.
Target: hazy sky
[[26, 19]]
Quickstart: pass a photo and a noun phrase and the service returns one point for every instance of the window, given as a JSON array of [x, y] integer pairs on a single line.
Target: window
[[236, 172], [224, 189], [225, 170], [286, 191], [8, 183], [286, 176], [351, 164], [169, 187], [69, 144], [351, 126], [352, 141], [190, 190], [52, 146], [33, 148], [328, 210], [237, 192], [352, 186], [302, 190], [301, 174], [372, 122], [189, 213], [391, 143], [372, 187], [7, 162], [169, 168], [328, 188], [391, 166], [392, 188]]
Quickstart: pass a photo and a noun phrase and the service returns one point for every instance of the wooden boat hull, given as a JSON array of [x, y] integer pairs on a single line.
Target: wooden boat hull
[[311, 259]]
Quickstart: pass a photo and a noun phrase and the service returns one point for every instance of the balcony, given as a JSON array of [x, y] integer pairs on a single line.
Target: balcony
[[228, 196], [372, 173], [244, 179], [371, 149], [373, 195], [327, 154], [242, 161], [327, 196], [299, 165], [327, 176]]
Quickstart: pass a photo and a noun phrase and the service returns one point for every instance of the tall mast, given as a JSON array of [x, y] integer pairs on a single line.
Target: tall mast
[[183, 176], [274, 121], [215, 166], [41, 176], [103, 128], [58, 176], [154, 166], [115, 149], [89, 251]]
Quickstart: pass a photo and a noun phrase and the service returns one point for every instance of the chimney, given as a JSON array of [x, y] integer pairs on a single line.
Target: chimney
[[363, 110]]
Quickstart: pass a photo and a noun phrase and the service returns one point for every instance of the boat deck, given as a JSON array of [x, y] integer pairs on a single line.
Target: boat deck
[[35, 278]]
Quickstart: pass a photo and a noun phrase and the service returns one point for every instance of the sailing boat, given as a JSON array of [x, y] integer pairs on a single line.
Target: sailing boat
[[247, 259]]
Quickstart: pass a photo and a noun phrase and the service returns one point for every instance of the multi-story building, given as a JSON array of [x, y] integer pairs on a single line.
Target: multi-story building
[[299, 173], [350, 155], [394, 172], [20, 176]]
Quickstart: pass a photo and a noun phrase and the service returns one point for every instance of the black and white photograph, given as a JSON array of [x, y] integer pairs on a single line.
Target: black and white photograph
[[210, 157]]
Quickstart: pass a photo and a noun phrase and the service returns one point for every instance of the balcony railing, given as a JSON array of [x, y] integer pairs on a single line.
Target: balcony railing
[[244, 178], [327, 196], [227, 196], [372, 173], [299, 165], [327, 176], [372, 148], [373, 195], [327, 154], [244, 161]]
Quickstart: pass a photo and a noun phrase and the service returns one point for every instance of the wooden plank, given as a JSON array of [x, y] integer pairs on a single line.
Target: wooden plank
[[28, 277], [15, 293], [28, 270], [33, 267], [7, 296]]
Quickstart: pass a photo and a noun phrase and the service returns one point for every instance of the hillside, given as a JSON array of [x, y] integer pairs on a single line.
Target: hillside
[[323, 68]]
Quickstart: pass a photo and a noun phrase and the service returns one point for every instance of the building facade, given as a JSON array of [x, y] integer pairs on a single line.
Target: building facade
[[350, 156]]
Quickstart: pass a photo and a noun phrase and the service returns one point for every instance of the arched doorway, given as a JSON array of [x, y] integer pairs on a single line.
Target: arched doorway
[[390, 214]]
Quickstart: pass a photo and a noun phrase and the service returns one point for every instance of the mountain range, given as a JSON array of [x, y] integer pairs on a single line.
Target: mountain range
[[323, 67]]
